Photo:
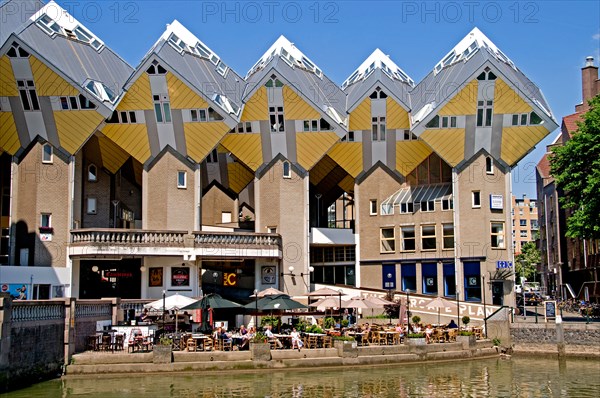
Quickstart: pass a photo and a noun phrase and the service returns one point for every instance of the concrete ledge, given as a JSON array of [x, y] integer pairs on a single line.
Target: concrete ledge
[[94, 358], [305, 353], [211, 356]]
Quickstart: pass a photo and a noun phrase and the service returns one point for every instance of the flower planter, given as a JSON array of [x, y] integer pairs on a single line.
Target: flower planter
[[346, 349], [162, 354], [416, 341], [260, 351]]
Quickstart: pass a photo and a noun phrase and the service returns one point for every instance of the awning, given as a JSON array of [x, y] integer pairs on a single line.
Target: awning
[[418, 194]]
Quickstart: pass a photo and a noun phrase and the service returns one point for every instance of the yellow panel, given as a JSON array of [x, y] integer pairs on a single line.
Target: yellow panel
[[360, 117], [397, 116], [463, 103], [448, 143], [347, 184], [321, 169], [8, 85], [9, 139], [182, 96], [47, 82], [257, 107], [507, 101], [349, 156], [139, 95], [201, 138], [246, 147], [311, 147], [239, 176], [113, 156], [409, 154], [517, 141], [295, 108], [133, 138], [75, 127]]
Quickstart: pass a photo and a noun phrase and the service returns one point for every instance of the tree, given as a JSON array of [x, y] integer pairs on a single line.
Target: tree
[[576, 168], [525, 263]]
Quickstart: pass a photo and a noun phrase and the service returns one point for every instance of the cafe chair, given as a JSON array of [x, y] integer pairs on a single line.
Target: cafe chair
[[119, 342], [191, 345], [208, 344]]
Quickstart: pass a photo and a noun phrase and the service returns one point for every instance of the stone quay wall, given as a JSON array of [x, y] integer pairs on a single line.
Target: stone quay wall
[[562, 339]]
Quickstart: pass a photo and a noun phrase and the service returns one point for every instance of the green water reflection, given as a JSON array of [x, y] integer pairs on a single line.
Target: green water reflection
[[481, 378]]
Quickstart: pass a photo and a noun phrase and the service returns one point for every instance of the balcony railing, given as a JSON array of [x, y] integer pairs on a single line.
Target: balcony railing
[[119, 242], [128, 237]]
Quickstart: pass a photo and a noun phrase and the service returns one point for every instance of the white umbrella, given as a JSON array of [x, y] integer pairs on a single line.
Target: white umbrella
[[268, 292], [361, 302], [174, 302], [324, 291], [439, 303], [324, 303]]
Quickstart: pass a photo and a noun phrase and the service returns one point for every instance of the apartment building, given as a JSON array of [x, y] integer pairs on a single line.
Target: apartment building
[[181, 175], [570, 267], [525, 227]]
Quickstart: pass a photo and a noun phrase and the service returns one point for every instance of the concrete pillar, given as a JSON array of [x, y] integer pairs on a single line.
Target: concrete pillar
[[560, 339], [69, 334], [5, 317]]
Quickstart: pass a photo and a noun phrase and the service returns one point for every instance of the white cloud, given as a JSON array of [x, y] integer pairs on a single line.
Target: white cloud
[[596, 36]]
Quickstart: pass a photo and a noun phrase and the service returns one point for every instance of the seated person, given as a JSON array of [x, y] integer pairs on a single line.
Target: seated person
[[271, 336], [452, 325], [416, 328], [296, 340], [221, 334], [243, 330], [247, 337], [428, 333]]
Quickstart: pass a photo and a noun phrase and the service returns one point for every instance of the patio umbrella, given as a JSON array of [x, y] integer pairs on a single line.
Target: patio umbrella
[[324, 303], [324, 291], [439, 303], [268, 292], [207, 305], [174, 302], [279, 302], [361, 302]]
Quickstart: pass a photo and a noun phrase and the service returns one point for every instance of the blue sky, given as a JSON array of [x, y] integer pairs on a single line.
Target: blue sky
[[547, 40]]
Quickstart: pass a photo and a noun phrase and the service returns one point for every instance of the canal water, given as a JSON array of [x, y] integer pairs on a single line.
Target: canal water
[[478, 378]]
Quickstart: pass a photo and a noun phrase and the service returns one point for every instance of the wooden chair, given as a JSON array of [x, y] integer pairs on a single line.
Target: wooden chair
[[327, 342], [191, 345], [106, 344], [208, 344], [225, 345], [381, 338], [119, 342], [313, 342], [92, 343], [452, 333]]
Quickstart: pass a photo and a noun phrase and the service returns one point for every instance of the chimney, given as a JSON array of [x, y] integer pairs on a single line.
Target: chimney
[[589, 83]]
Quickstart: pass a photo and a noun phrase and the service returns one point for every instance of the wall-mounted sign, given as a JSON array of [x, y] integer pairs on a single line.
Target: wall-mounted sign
[[429, 281], [180, 276], [229, 279], [503, 264], [472, 281], [155, 278], [496, 202], [268, 275]]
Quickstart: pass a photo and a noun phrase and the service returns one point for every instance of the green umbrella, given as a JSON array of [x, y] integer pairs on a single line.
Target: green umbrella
[[213, 301], [279, 302]]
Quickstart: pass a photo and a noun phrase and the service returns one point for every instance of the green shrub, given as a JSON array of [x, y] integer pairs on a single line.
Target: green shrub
[[164, 340], [313, 329], [345, 323], [465, 333], [328, 323], [496, 341], [343, 338], [416, 319], [259, 337], [270, 320], [416, 335], [465, 320], [301, 325]]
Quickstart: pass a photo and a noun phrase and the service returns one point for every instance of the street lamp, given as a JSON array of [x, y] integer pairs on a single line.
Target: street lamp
[[340, 292], [164, 306], [256, 310], [484, 307], [215, 276], [457, 307], [407, 312], [318, 196], [291, 273], [389, 276]]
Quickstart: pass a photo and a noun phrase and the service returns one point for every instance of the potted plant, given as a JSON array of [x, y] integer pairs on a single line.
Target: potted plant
[[416, 339], [466, 337], [416, 319], [465, 320], [328, 323], [163, 351], [259, 347]]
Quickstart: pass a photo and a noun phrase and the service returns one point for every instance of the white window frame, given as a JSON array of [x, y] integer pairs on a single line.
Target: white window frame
[[445, 236], [92, 205], [47, 157], [485, 108], [476, 195], [423, 237], [277, 119], [181, 174], [390, 240], [46, 220], [427, 206], [162, 107], [404, 238], [406, 208], [501, 235], [447, 204], [287, 169], [378, 128], [489, 165], [92, 177], [272, 230], [373, 207], [28, 95]]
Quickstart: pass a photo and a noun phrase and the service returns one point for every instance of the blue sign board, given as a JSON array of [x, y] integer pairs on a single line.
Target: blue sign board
[[503, 264], [389, 276]]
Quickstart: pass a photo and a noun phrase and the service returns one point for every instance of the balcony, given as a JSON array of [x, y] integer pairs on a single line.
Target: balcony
[[115, 243]]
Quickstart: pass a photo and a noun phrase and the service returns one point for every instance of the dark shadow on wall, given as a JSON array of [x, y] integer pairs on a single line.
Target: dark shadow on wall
[[30, 250]]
